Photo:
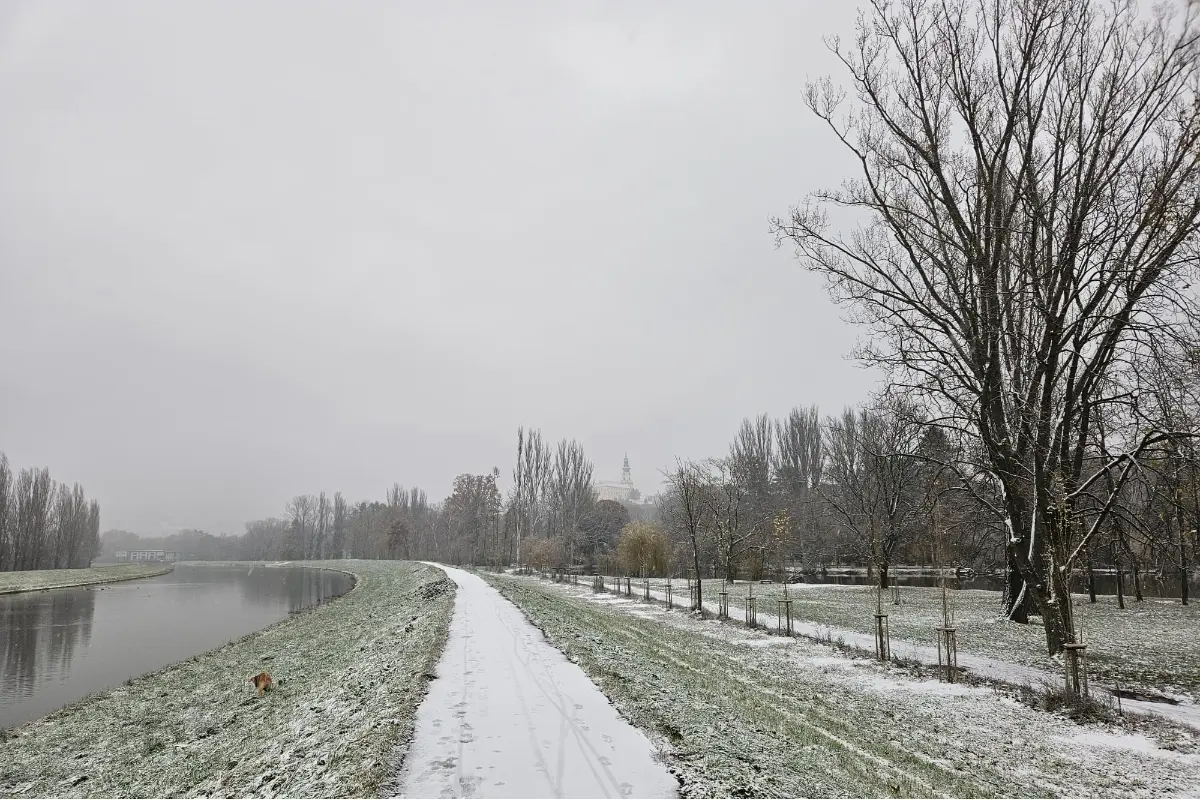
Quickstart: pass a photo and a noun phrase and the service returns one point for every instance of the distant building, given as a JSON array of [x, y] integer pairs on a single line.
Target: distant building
[[146, 555], [622, 491]]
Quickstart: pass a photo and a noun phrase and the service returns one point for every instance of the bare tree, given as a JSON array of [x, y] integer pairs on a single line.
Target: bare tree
[[733, 523], [34, 491], [800, 461], [6, 515], [683, 511], [1028, 195], [531, 476], [337, 541], [875, 479], [572, 491], [302, 512]]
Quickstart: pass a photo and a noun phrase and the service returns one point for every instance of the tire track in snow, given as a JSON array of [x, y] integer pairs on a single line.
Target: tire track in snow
[[529, 722]]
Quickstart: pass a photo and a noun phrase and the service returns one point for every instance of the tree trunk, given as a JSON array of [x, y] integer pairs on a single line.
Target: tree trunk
[[1183, 559], [1056, 631], [1115, 558], [883, 576], [1137, 581], [1056, 616], [1016, 602], [1091, 580]]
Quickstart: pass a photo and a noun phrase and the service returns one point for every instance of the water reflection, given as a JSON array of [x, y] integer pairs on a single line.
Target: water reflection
[[302, 587], [61, 645], [44, 633]]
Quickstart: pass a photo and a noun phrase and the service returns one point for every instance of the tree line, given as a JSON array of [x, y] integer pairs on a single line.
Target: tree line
[[1019, 240], [45, 524]]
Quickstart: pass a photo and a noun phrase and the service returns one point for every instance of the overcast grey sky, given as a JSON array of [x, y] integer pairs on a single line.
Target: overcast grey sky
[[251, 250]]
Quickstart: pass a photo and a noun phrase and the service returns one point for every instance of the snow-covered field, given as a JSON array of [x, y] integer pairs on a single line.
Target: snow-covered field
[[35, 579], [739, 712], [1152, 645], [509, 716], [351, 674]]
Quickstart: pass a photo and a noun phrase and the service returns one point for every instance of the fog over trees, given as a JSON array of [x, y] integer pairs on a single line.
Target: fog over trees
[[45, 524], [1018, 247]]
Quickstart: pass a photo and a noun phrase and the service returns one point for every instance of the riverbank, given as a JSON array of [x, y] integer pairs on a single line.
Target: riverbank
[[350, 673], [35, 580], [740, 712]]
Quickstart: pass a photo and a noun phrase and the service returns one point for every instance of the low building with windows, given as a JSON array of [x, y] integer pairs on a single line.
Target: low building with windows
[[146, 555]]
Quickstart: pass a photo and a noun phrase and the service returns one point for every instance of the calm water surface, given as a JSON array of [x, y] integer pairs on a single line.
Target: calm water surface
[[62, 645]]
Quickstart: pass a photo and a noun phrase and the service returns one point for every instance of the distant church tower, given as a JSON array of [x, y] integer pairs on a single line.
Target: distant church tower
[[623, 492]]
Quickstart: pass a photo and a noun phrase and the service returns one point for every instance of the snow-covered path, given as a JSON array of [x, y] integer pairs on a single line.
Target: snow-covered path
[[509, 716]]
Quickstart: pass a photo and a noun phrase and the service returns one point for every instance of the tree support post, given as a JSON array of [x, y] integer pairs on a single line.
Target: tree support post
[[883, 637], [784, 621], [1075, 662], [947, 654]]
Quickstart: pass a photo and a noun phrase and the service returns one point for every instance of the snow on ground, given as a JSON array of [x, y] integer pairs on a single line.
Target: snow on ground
[[1154, 645], [801, 720], [509, 716], [350, 675], [37, 579], [1151, 644]]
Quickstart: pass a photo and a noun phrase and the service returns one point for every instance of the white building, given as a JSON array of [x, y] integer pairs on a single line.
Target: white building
[[146, 555], [622, 491]]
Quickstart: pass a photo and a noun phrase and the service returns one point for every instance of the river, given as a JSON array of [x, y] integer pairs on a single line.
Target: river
[[61, 645]]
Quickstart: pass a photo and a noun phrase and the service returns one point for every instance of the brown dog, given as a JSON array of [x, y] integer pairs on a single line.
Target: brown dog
[[262, 681]]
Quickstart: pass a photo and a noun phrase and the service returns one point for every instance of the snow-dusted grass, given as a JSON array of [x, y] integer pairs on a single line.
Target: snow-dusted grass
[[35, 579], [1154, 644], [745, 714], [351, 674]]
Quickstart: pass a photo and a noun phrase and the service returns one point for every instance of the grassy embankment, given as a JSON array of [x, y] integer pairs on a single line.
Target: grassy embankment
[[37, 579], [1152, 645], [741, 713], [351, 674]]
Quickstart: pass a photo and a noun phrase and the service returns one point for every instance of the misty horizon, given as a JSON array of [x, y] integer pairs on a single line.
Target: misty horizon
[[255, 251]]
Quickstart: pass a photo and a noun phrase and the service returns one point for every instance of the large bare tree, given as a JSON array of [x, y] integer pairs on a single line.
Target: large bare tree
[[1022, 223]]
